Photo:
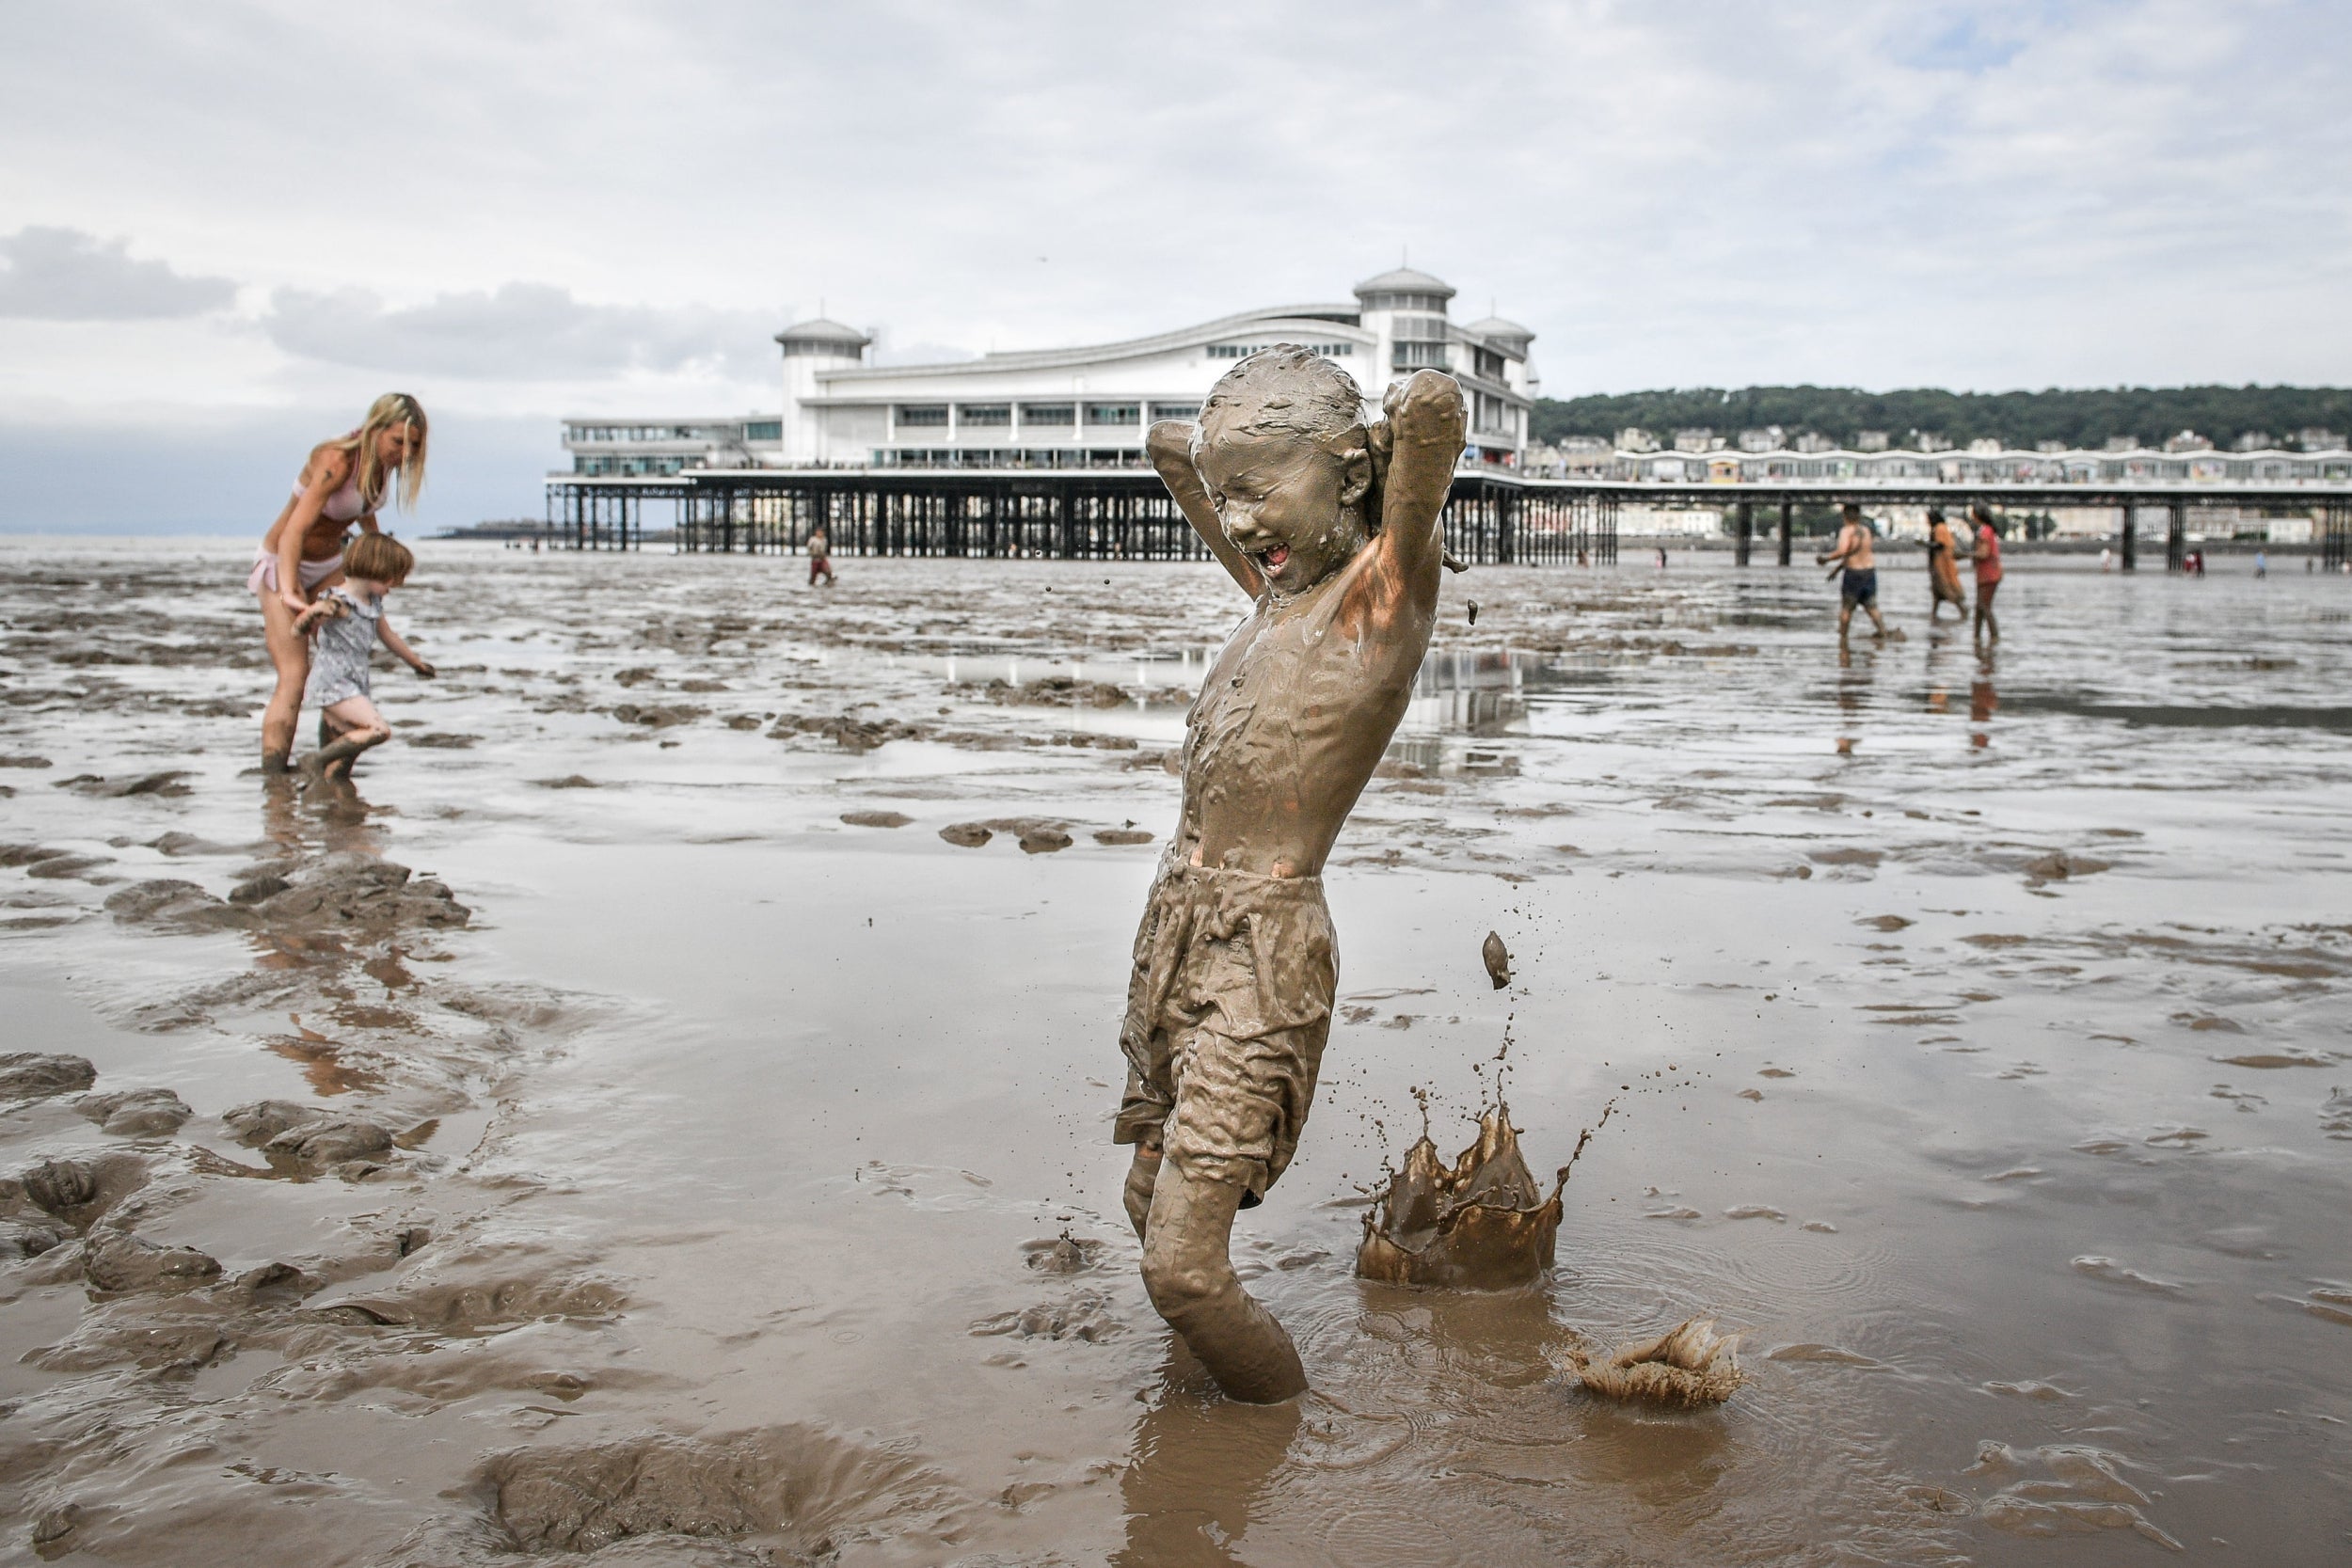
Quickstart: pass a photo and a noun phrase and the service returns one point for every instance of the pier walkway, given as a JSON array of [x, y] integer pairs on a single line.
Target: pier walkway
[[1492, 517]]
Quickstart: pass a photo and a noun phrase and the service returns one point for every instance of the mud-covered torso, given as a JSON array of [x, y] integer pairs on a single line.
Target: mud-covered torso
[[1291, 719]]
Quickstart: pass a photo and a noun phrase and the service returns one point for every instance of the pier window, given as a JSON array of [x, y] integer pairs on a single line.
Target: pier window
[[1419, 355], [997, 414], [1114, 414], [1243, 351], [764, 430], [923, 415], [1175, 411], [1049, 413]]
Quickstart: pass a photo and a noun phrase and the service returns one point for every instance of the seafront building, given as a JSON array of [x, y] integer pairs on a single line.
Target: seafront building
[[1085, 407], [1774, 456]]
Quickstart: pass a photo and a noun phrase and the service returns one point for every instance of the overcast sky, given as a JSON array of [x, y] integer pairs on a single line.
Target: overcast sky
[[225, 226]]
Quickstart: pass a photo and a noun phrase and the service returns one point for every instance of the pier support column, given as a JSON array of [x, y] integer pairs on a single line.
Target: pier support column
[[2131, 538], [2176, 536], [1747, 530], [1788, 510], [2336, 539]]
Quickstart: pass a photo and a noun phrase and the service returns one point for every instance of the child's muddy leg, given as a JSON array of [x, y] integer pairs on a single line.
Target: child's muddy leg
[[1141, 1177], [1190, 1275], [359, 725]]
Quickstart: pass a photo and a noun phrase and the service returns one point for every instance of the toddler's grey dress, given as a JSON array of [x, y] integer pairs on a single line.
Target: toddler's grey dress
[[339, 654]]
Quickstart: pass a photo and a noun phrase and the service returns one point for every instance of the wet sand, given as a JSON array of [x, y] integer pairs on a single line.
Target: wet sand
[[675, 1164]]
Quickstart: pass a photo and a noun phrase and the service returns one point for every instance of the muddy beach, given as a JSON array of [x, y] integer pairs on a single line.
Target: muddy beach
[[660, 1111]]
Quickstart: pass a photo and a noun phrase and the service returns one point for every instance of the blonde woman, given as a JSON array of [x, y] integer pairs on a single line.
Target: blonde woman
[[342, 486]]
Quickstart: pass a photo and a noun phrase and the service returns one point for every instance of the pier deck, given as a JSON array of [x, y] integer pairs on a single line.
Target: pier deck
[[1126, 515]]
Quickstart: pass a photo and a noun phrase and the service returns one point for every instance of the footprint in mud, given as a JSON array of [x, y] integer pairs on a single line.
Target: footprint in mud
[[1085, 1317]]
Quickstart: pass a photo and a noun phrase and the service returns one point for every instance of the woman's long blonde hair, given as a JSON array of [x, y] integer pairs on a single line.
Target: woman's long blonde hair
[[388, 412]]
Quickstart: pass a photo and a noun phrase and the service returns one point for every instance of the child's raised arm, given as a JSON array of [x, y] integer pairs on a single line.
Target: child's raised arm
[[1424, 430], [401, 650], [1170, 446]]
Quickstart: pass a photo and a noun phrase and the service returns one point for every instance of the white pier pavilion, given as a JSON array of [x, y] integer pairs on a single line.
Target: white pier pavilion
[[1084, 407]]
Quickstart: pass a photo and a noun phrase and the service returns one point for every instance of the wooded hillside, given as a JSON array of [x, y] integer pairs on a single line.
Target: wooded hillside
[[2084, 418]]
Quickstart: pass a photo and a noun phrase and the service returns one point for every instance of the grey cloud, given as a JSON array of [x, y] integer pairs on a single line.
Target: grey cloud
[[519, 331], [66, 274]]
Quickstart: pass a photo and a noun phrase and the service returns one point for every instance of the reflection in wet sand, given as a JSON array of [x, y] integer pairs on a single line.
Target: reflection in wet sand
[[476, 1163]]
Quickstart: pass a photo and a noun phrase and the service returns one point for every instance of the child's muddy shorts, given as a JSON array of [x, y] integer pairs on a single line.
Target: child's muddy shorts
[[1228, 1011]]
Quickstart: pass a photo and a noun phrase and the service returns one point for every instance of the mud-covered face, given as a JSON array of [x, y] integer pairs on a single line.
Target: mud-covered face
[[1295, 509]]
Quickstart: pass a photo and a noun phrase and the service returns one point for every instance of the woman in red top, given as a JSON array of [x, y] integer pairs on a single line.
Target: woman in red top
[[1988, 558]]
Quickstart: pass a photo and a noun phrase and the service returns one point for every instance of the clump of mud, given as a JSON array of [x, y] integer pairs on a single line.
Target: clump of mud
[[806, 1490], [1690, 1365], [1483, 1225]]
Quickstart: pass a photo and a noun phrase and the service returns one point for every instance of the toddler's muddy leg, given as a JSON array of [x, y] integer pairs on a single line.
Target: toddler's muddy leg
[[334, 761], [1190, 1275], [1141, 1176]]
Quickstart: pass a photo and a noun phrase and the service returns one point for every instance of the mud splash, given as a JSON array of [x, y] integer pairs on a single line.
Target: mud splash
[[1688, 1365], [1482, 1224]]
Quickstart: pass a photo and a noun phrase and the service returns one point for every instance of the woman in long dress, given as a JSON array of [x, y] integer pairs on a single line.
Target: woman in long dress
[[1943, 568], [341, 487]]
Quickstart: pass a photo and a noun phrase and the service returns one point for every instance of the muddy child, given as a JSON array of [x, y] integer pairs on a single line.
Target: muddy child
[[1331, 524], [346, 623]]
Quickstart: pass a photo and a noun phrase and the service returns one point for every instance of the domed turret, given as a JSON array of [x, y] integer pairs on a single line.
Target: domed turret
[[1510, 334], [813, 350], [821, 338], [1428, 294]]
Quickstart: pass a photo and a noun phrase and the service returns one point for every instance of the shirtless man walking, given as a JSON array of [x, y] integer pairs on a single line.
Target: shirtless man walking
[[1332, 526], [1859, 560]]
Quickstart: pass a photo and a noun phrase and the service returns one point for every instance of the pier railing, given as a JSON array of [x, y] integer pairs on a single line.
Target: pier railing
[[1491, 518]]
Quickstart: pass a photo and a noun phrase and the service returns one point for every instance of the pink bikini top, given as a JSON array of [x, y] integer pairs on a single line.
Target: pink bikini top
[[345, 505]]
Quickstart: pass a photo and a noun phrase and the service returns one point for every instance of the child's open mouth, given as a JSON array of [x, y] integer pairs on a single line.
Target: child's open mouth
[[1275, 557]]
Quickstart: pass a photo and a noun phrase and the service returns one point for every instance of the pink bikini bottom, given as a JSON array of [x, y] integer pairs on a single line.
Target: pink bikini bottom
[[264, 576]]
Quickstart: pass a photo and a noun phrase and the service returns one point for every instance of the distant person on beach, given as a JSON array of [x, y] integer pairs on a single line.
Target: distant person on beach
[[347, 620], [2261, 564], [1662, 558], [342, 486], [1854, 557], [1943, 568], [1987, 555], [819, 556]]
